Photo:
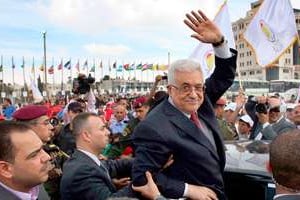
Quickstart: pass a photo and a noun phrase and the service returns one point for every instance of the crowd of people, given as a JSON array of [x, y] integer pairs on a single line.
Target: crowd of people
[[159, 146]]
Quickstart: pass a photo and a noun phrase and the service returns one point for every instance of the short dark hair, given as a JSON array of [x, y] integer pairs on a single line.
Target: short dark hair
[[285, 159], [7, 150], [8, 100], [80, 121]]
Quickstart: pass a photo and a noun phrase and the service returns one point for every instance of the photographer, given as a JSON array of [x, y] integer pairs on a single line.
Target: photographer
[[268, 117]]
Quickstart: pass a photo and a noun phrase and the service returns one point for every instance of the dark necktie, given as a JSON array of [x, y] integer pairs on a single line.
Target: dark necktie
[[195, 120]]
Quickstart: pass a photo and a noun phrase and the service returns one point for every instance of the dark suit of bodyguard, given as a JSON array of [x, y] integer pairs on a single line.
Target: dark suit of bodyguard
[[198, 153]]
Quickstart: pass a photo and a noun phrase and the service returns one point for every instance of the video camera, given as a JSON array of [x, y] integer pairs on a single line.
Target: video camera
[[259, 107], [82, 84], [262, 108]]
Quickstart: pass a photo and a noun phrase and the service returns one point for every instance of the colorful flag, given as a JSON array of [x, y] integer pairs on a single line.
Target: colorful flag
[[139, 66], [120, 68], [115, 65], [155, 67], [132, 66], [77, 66], [272, 30], [41, 67], [144, 67], [93, 69], [12, 63], [85, 65], [126, 66], [204, 52], [51, 70], [23, 63], [150, 66], [68, 65], [59, 67], [162, 67]]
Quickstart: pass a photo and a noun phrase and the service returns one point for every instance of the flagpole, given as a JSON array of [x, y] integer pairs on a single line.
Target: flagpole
[[62, 75], [70, 69], [87, 68], [94, 68], [23, 64], [45, 60], [134, 73], [169, 59], [53, 82], [101, 77], [116, 68], [109, 68], [13, 71], [33, 67], [2, 89]]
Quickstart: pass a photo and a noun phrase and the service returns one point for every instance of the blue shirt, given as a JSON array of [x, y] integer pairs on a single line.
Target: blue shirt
[[8, 111], [117, 127]]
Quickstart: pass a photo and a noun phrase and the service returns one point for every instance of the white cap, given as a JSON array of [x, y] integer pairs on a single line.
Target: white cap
[[247, 119], [290, 105], [231, 106]]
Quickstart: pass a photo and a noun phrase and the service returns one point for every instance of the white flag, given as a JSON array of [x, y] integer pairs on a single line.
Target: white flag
[[37, 96], [272, 30], [204, 52]]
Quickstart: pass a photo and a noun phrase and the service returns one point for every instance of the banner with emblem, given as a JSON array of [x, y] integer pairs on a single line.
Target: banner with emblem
[[204, 52], [272, 30]]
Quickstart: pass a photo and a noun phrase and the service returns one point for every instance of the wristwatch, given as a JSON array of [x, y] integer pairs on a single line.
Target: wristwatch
[[219, 43]]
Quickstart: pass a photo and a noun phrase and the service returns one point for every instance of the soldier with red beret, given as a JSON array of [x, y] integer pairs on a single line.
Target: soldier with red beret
[[36, 117], [123, 146]]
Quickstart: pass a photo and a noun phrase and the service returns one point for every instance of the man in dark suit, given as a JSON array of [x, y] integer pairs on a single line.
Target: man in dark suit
[[24, 165], [284, 164], [85, 176], [197, 147]]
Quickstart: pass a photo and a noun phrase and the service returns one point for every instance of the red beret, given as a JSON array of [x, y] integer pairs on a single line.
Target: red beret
[[139, 102], [30, 112]]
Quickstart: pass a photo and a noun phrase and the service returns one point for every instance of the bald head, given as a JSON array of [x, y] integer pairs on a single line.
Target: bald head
[[285, 159]]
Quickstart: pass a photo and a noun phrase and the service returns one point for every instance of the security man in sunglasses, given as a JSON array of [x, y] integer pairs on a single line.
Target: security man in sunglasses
[[36, 117], [268, 117]]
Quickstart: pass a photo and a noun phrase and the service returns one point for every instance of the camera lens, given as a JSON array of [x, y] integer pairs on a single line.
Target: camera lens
[[262, 108]]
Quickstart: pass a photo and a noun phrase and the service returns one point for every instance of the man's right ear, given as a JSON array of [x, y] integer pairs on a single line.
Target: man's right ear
[[6, 169]]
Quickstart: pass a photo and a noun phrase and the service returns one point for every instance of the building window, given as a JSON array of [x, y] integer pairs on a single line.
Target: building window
[[285, 70], [252, 73]]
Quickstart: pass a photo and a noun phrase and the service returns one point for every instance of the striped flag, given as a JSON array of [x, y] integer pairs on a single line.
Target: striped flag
[[77, 67], [51, 70], [60, 66]]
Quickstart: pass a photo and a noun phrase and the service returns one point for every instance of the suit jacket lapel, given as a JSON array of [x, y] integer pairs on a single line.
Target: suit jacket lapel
[[89, 161], [187, 126]]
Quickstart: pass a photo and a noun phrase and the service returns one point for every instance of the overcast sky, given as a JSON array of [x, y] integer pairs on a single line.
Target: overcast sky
[[108, 30]]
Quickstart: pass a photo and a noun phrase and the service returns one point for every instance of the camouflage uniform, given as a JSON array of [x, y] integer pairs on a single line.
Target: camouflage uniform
[[116, 149], [228, 130], [58, 157]]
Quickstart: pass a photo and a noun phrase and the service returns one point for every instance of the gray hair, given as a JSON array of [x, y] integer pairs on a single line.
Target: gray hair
[[183, 65]]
